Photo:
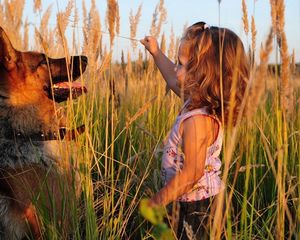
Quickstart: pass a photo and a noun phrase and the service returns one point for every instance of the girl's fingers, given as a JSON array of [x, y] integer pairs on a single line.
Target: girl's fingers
[[145, 40], [142, 41], [150, 43]]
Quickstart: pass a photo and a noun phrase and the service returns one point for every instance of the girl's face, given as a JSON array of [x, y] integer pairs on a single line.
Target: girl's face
[[180, 68]]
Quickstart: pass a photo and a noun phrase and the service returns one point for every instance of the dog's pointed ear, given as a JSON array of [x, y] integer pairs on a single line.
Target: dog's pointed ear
[[8, 55]]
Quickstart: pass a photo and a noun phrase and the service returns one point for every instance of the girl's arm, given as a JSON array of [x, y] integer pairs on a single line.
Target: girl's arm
[[196, 138], [164, 64]]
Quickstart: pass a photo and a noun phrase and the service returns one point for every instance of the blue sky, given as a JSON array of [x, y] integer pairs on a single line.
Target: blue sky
[[181, 12]]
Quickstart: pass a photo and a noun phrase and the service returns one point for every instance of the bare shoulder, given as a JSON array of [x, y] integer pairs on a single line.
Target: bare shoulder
[[202, 126]]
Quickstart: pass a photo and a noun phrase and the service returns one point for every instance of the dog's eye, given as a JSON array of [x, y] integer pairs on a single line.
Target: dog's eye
[[43, 62]]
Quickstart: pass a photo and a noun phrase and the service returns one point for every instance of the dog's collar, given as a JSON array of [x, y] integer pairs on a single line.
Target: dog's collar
[[63, 133]]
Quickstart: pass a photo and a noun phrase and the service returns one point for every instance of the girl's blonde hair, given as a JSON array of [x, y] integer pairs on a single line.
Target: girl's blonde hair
[[216, 59]]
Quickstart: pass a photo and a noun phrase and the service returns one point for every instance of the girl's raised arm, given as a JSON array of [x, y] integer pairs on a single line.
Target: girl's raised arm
[[164, 64]]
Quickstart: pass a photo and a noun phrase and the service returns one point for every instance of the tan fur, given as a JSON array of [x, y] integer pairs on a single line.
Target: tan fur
[[38, 182], [34, 187]]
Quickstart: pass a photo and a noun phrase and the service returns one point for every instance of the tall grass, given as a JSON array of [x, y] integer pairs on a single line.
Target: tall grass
[[127, 115]]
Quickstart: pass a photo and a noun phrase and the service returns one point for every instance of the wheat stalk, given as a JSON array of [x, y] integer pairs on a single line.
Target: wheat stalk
[[40, 41], [153, 23], [278, 22], [85, 22], [293, 63], [45, 21], [282, 140], [253, 40], [159, 17], [105, 62], [86, 28], [37, 5], [94, 33], [129, 65], [140, 60], [259, 77], [140, 112], [134, 20], [117, 19], [273, 6], [111, 19], [13, 14], [75, 24], [162, 17], [62, 19], [163, 43], [123, 64], [285, 70], [43, 29], [171, 49], [245, 17]]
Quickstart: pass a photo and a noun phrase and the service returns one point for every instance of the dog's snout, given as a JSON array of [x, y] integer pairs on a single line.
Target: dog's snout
[[77, 60], [79, 64]]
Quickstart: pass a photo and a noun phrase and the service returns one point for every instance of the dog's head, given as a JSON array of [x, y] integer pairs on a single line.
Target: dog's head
[[35, 70], [30, 81]]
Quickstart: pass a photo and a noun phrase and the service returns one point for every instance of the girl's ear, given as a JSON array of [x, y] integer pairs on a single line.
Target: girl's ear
[[8, 54]]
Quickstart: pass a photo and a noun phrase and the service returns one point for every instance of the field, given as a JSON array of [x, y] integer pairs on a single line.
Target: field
[[128, 112]]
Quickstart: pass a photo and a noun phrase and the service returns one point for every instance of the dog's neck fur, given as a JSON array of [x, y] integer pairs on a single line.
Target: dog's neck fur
[[9, 132], [28, 120]]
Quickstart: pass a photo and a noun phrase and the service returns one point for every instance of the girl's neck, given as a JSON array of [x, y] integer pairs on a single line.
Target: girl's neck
[[184, 107]]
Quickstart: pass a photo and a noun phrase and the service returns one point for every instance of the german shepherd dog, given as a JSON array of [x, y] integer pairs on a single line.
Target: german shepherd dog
[[37, 172]]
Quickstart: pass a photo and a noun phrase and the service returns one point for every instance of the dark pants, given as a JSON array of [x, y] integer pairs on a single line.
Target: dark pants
[[194, 219]]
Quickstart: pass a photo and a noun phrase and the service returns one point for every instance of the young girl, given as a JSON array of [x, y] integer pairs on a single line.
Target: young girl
[[212, 69]]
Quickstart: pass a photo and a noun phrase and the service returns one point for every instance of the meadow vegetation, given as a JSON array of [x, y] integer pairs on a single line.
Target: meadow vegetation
[[128, 111]]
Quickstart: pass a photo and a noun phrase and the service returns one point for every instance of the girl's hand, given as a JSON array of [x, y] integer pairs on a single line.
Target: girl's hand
[[150, 44], [157, 200]]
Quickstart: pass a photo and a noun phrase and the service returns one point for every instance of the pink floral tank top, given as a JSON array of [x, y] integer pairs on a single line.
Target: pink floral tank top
[[210, 183]]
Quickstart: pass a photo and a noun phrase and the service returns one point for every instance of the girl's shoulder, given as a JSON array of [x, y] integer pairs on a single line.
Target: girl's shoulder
[[195, 113], [200, 120]]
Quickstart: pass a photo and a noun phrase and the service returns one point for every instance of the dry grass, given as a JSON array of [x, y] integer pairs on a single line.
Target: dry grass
[[285, 58], [293, 63], [134, 21], [62, 21], [172, 48], [11, 18], [126, 125], [92, 32], [37, 5], [129, 64], [253, 41], [112, 17], [258, 78], [117, 18], [163, 45], [158, 19], [245, 17]]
